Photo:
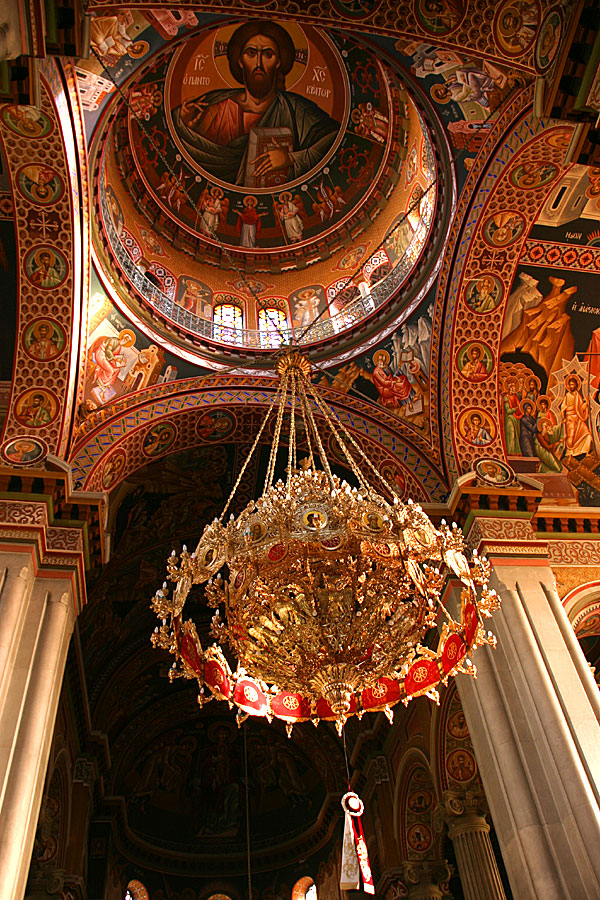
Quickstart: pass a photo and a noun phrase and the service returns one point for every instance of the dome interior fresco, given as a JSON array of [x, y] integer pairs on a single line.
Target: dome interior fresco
[[313, 247]]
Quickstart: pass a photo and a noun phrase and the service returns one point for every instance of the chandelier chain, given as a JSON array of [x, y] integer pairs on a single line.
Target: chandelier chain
[[277, 434], [358, 448], [251, 454], [292, 442], [317, 436]]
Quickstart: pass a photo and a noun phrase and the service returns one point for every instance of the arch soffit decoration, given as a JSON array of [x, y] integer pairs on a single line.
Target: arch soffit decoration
[[582, 606], [544, 141], [415, 802], [124, 434], [473, 26], [51, 205]]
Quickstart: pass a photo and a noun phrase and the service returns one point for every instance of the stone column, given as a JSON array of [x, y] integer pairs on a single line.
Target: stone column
[[470, 835], [424, 880], [27, 723], [15, 578], [532, 717]]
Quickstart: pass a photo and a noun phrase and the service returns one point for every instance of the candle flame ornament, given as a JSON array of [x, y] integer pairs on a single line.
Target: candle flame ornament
[[323, 593]]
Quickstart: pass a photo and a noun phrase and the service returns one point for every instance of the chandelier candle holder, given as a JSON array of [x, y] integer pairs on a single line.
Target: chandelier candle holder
[[323, 593]]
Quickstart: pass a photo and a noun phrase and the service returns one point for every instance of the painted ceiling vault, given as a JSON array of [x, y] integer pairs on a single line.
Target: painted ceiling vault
[[394, 186], [397, 209]]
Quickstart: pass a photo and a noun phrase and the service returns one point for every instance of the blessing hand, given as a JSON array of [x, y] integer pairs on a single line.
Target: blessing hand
[[191, 110]]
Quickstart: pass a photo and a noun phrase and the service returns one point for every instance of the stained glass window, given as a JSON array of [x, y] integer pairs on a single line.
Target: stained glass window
[[228, 321], [271, 323]]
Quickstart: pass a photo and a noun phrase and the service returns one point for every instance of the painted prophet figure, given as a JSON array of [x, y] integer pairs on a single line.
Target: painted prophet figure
[[217, 126]]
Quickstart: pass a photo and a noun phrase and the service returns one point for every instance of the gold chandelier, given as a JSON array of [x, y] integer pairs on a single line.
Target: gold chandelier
[[323, 592]]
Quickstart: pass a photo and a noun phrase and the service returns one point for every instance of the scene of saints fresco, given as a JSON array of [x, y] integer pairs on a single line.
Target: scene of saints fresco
[[273, 133], [196, 775], [395, 374], [549, 376]]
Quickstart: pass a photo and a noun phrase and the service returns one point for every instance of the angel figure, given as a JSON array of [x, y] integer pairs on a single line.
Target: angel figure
[[214, 207], [289, 214]]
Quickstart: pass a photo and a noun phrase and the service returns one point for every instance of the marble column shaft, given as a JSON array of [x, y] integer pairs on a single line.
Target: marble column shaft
[[27, 723], [537, 740]]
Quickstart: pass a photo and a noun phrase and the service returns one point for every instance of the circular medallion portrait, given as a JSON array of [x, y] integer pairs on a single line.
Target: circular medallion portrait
[[113, 468], [36, 408], [40, 183], [271, 145], [215, 425], [44, 339], [530, 175], [460, 765], [255, 531], [439, 17], [45, 267], [26, 121], [475, 361], [503, 228], [314, 519], [548, 40], [372, 521], [494, 472], [476, 427], [159, 439], [457, 726], [484, 294], [24, 451], [515, 26], [419, 801], [352, 258], [419, 837]]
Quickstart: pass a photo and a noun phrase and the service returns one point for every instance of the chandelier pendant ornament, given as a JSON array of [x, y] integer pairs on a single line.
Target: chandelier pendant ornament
[[355, 855], [323, 593]]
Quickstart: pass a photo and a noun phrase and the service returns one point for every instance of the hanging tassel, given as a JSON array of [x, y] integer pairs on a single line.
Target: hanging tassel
[[350, 871], [355, 856]]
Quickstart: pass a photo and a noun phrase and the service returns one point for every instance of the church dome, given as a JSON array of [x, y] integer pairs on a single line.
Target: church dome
[[265, 182]]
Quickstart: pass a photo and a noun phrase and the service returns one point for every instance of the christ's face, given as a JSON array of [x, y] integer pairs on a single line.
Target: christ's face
[[260, 62]]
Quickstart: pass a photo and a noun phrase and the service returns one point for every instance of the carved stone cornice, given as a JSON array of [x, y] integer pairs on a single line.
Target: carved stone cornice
[[27, 525]]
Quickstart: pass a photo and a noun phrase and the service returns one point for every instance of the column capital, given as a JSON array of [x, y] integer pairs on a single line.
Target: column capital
[[426, 879], [464, 811]]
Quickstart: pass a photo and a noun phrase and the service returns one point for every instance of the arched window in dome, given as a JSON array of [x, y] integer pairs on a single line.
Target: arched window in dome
[[228, 322], [136, 891], [304, 889], [271, 323]]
